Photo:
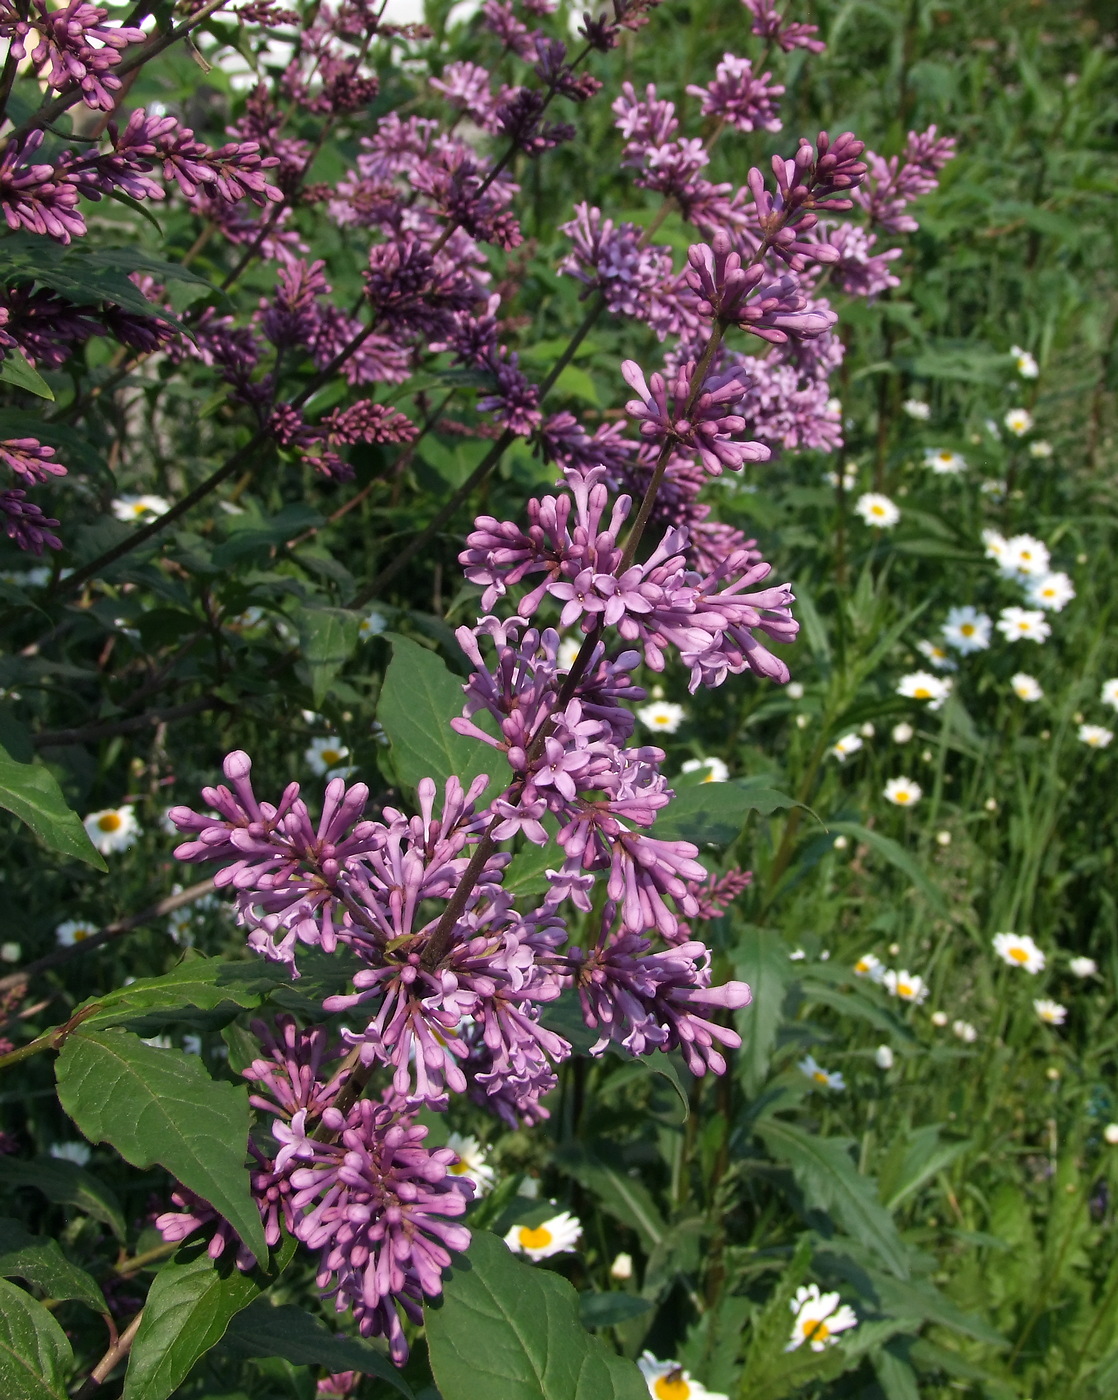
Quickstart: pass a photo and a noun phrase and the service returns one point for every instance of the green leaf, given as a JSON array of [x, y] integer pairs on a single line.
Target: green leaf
[[15, 369], [35, 1356], [624, 1197], [825, 1172], [761, 959], [189, 1305], [916, 1159], [66, 1184], [418, 700], [327, 639], [297, 1336], [714, 813], [207, 992], [526, 872], [40, 1261], [895, 1376], [30, 792], [856, 1004], [158, 1105], [896, 855], [507, 1331], [609, 1309]]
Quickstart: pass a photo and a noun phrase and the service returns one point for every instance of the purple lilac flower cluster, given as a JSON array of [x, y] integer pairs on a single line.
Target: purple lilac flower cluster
[[24, 522]]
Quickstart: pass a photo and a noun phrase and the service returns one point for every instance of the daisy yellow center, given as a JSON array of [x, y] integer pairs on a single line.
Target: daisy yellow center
[[330, 755], [139, 508], [904, 989], [901, 796], [921, 693], [878, 510], [816, 1330], [819, 1077], [1020, 955], [671, 1387], [861, 966], [111, 821], [535, 1237], [81, 933], [967, 629]]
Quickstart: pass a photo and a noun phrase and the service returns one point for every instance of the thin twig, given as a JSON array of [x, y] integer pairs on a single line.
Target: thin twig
[[105, 935], [57, 738], [111, 1359]]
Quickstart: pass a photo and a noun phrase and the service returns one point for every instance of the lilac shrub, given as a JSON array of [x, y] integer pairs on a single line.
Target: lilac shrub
[[618, 566]]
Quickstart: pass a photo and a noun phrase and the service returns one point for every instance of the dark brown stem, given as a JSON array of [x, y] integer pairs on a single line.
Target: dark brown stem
[[57, 738], [114, 930]]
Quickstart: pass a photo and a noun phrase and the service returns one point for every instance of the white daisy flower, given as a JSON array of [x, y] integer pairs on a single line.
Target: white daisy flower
[[713, 769], [902, 733], [1095, 736], [1018, 421], [1052, 592], [819, 1317], [877, 510], [1026, 687], [559, 1235], [113, 829], [825, 1078], [667, 1380], [662, 715], [180, 926], [844, 747], [326, 755], [967, 630], [1023, 557], [1110, 1132], [1040, 449], [1026, 364], [795, 690], [965, 1031], [943, 462], [902, 792], [10, 952], [1050, 1012], [472, 1162], [943, 838], [871, 966], [918, 409], [906, 985], [1083, 967], [1019, 950], [77, 1152], [922, 685], [994, 488], [939, 656], [1109, 693], [883, 1057], [1024, 625], [939, 1018], [140, 507], [994, 544], [622, 1267], [867, 730], [75, 931], [372, 625]]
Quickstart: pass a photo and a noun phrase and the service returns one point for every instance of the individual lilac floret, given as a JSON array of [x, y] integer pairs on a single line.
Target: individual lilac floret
[[379, 1206], [695, 419], [611, 260], [739, 98], [70, 45], [769, 23], [648, 1000], [731, 293]]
